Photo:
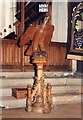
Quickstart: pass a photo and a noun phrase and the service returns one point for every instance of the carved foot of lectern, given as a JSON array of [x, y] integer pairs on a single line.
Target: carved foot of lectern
[[39, 97]]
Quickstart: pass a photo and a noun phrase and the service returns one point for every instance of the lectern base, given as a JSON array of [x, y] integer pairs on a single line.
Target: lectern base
[[39, 95]]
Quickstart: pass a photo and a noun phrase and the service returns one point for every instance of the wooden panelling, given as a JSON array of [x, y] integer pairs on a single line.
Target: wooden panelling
[[26, 58], [57, 54], [12, 58]]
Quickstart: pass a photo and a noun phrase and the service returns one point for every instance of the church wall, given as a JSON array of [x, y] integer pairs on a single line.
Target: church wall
[[13, 59], [60, 21], [7, 12]]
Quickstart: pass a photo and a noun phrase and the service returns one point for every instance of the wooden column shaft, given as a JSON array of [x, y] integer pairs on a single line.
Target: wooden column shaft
[[22, 16], [39, 71]]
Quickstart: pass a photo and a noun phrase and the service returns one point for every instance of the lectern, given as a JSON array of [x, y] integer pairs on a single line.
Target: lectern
[[38, 97]]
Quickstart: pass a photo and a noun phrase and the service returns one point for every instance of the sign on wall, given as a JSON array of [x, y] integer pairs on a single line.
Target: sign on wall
[[75, 32]]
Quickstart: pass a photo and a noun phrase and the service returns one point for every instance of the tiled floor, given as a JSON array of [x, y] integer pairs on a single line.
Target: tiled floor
[[61, 111]]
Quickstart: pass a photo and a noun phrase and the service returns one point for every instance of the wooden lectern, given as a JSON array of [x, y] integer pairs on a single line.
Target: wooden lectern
[[39, 97]]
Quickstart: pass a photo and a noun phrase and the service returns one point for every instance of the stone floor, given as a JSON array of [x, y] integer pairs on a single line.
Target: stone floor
[[59, 111], [72, 110]]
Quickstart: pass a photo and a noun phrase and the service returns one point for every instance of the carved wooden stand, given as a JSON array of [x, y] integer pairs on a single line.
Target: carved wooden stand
[[39, 95]]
